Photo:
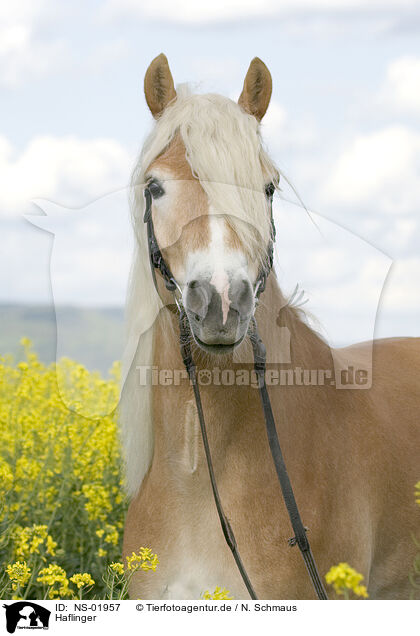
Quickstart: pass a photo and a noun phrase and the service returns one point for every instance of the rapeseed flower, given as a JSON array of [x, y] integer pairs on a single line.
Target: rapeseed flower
[[346, 579], [219, 594], [19, 574], [117, 567], [55, 578], [417, 492], [144, 559], [82, 580]]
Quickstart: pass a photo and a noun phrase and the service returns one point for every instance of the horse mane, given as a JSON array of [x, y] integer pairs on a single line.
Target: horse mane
[[224, 149]]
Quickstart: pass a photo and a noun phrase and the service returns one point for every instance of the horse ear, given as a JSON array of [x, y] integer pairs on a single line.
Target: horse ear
[[159, 85], [256, 92]]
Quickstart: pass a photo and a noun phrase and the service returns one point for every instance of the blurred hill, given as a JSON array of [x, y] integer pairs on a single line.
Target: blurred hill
[[92, 336]]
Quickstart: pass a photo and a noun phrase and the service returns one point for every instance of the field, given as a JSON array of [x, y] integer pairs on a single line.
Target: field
[[62, 497]]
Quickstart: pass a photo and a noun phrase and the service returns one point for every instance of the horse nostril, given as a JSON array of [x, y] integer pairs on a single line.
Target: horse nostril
[[242, 299], [197, 298]]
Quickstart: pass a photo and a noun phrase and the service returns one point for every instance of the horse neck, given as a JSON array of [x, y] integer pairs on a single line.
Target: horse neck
[[173, 406]]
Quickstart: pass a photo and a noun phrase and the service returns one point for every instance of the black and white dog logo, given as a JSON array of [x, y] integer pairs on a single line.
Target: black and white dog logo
[[26, 615]]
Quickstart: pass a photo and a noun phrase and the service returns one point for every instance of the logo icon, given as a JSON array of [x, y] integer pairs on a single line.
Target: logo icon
[[26, 615]]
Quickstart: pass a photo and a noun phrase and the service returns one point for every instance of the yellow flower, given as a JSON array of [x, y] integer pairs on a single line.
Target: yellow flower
[[219, 594], [54, 575], [97, 501], [51, 546], [33, 540], [6, 477], [117, 567], [144, 560], [346, 579], [417, 492], [82, 580], [112, 535], [101, 552], [19, 574]]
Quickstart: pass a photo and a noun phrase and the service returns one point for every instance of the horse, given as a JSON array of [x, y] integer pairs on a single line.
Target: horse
[[352, 454]]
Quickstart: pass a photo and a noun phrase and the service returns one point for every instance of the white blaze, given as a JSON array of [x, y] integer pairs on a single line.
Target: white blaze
[[217, 249], [218, 262], [220, 280]]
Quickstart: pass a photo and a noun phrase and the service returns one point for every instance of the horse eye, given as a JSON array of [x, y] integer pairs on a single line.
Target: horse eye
[[155, 189], [269, 190]]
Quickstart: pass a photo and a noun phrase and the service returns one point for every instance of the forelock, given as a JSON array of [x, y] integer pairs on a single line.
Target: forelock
[[225, 152]]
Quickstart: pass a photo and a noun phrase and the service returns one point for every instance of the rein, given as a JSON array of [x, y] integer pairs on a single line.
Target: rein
[[300, 538]]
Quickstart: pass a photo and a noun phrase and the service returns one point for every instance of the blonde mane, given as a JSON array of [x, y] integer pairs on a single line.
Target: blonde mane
[[225, 152]]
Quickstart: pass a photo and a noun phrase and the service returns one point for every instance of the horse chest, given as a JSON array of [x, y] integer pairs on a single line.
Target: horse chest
[[196, 557]]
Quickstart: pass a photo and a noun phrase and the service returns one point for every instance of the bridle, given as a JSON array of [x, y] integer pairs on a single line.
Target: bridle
[[300, 538]]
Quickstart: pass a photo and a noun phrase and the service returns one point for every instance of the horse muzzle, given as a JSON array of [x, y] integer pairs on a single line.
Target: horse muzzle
[[219, 320]]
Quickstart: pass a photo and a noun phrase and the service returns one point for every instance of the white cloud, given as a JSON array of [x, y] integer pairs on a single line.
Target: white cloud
[[104, 54], [217, 69], [378, 171], [402, 292], [403, 237], [69, 170], [401, 90], [192, 12], [23, 52], [274, 121], [283, 133], [22, 12]]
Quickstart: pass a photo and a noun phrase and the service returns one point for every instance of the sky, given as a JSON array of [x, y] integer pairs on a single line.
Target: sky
[[343, 126]]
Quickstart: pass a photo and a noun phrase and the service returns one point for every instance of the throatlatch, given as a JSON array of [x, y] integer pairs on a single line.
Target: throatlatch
[[300, 538]]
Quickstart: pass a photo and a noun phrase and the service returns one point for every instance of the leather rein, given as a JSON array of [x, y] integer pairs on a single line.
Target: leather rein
[[300, 537]]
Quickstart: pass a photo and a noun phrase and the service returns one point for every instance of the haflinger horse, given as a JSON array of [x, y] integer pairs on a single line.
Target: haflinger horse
[[353, 456]]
